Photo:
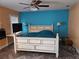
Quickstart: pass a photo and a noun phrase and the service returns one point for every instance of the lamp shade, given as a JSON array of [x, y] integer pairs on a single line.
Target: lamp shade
[[59, 23]]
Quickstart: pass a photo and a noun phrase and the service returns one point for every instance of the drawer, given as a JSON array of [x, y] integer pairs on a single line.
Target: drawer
[[48, 41], [34, 41], [24, 40], [45, 47], [25, 46]]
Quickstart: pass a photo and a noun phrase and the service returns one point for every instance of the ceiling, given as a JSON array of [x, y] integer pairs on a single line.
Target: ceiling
[[14, 4]]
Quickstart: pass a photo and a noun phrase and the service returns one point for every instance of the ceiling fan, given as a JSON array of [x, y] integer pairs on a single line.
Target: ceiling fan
[[35, 4]]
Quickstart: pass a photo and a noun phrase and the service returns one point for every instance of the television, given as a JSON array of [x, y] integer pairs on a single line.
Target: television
[[17, 27]]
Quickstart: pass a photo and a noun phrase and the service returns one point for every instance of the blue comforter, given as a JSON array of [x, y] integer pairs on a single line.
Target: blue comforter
[[44, 33]]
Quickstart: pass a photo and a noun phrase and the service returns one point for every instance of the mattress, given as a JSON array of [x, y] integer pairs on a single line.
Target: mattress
[[44, 33]]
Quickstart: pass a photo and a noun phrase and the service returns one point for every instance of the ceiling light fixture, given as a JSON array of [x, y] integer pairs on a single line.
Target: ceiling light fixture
[[67, 5], [33, 9]]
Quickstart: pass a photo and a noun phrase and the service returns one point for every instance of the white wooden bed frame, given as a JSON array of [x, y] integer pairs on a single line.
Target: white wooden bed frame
[[38, 44]]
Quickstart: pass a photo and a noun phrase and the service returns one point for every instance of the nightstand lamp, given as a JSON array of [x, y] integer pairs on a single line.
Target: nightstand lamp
[[60, 23], [58, 27]]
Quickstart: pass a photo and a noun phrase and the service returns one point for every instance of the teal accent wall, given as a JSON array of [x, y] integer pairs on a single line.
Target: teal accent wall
[[47, 18]]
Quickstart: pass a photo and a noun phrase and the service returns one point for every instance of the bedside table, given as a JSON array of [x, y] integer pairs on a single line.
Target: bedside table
[[66, 41], [10, 39], [69, 42], [63, 40]]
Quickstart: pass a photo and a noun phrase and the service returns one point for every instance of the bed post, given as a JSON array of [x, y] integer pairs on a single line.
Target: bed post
[[29, 27], [52, 27], [14, 36], [57, 45]]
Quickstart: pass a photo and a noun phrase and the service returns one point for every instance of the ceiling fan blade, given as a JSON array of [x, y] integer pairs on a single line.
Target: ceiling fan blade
[[38, 2], [24, 4], [26, 7], [36, 6], [34, 1], [43, 5]]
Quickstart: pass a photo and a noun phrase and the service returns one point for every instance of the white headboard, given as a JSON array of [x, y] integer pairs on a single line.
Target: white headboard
[[37, 28]]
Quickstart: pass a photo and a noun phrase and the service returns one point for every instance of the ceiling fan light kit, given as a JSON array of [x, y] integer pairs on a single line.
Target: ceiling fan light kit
[[33, 9]]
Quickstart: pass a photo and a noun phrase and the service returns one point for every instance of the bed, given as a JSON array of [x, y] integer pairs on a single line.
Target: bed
[[40, 38]]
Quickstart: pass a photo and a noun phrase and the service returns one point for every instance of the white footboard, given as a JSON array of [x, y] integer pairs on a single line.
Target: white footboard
[[48, 45]]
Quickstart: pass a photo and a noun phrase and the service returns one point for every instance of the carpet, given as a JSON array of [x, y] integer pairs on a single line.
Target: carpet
[[65, 52]]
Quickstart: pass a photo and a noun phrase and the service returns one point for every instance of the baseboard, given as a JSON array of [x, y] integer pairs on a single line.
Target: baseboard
[[77, 49], [1, 47]]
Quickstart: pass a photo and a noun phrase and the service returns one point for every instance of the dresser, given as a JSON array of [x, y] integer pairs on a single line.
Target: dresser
[[4, 42]]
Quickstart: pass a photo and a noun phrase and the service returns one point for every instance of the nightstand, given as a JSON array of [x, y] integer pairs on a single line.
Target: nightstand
[[66, 41], [9, 39], [63, 40]]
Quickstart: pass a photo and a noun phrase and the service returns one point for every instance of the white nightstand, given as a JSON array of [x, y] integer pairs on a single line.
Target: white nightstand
[[9, 39]]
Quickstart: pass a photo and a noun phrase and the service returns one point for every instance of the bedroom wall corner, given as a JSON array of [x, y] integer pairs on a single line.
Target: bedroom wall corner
[[74, 25]]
